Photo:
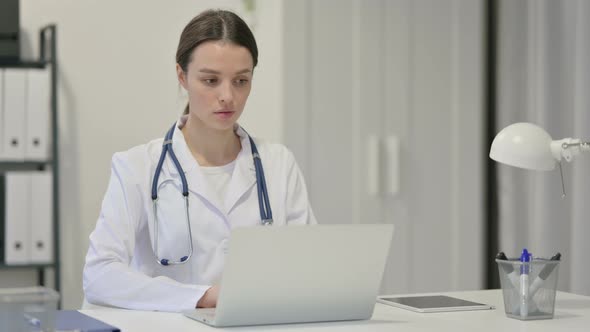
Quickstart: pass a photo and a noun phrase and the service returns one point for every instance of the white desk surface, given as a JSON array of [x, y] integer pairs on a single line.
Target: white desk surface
[[572, 313]]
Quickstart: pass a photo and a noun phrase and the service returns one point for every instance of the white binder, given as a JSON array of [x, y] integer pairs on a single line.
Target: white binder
[[41, 197], [37, 115], [16, 220], [14, 114], [1, 113]]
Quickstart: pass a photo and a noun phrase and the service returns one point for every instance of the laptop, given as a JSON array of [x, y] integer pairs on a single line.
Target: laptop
[[299, 274]]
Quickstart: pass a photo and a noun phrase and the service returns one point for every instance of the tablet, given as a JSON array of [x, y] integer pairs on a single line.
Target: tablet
[[432, 303]]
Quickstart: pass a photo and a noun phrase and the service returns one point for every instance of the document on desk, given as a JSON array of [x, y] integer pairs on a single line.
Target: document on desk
[[432, 303], [72, 320]]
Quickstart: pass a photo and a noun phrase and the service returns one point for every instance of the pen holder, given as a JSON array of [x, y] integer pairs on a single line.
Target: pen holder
[[529, 287], [28, 309]]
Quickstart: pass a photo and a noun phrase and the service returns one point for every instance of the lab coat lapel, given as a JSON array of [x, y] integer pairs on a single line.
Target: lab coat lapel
[[196, 181], [244, 175]]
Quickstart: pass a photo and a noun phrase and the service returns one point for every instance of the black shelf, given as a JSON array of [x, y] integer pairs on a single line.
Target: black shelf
[[25, 266], [47, 58], [24, 64], [8, 166]]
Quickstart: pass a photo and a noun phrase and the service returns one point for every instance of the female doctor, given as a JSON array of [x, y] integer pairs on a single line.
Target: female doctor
[[162, 234]]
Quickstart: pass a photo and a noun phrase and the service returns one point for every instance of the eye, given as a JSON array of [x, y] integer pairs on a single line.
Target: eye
[[241, 81], [210, 81]]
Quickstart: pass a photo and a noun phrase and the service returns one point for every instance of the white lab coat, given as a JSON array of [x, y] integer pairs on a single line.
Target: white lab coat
[[121, 268]]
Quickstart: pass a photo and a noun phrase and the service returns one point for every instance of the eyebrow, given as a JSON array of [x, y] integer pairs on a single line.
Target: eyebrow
[[212, 71]]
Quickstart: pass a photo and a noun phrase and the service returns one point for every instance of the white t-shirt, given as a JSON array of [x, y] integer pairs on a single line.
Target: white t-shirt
[[218, 178]]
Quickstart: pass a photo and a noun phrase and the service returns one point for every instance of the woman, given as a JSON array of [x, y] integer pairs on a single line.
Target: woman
[[174, 262]]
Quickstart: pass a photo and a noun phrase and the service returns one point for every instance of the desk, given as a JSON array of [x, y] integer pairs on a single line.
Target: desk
[[572, 313]]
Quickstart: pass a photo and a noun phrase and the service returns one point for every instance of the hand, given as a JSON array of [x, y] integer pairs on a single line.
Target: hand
[[209, 299]]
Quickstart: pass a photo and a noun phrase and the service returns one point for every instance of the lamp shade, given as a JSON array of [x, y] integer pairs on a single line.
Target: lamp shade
[[523, 145]]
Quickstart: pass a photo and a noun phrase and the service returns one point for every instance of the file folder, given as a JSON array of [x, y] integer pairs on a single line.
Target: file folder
[[2, 216], [41, 216], [38, 102], [72, 320], [15, 85], [1, 113], [16, 218]]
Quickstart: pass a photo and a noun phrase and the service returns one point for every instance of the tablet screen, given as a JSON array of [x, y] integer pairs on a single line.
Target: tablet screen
[[433, 303]]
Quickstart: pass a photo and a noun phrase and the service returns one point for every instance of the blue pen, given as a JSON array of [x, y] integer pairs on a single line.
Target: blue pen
[[525, 259], [32, 321]]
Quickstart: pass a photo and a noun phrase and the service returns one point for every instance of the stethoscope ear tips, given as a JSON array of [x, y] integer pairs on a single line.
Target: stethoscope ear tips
[[164, 262], [184, 258]]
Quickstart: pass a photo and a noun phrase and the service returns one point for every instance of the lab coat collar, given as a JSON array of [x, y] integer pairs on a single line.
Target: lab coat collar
[[243, 177]]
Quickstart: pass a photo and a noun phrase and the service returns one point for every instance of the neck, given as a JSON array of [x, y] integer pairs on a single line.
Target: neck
[[210, 147]]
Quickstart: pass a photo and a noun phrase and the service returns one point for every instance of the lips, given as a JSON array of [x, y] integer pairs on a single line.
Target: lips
[[224, 113]]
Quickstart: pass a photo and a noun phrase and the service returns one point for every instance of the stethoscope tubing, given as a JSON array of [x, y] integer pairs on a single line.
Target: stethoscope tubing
[[263, 201]]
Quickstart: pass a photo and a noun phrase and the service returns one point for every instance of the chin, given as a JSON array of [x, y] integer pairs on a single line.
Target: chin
[[223, 126]]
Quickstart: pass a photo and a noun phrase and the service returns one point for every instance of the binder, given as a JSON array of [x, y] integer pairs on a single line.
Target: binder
[[1, 113], [41, 216], [37, 115], [14, 114], [2, 216], [17, 228]]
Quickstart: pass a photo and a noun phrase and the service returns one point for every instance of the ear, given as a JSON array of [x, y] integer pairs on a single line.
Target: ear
[[181, 75]]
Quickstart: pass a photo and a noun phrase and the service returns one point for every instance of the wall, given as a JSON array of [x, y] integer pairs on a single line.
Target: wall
[[421, 77], [359, 73], [544, 78], [117, 89]]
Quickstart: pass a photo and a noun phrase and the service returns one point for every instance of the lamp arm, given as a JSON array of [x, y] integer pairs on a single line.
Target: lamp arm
[[568, 148], [584, 146]]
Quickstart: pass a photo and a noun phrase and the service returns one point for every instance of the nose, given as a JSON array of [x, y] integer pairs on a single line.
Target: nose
[[226, 93]]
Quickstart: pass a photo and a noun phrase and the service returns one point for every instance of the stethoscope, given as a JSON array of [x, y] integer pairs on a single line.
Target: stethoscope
[[263, 202]]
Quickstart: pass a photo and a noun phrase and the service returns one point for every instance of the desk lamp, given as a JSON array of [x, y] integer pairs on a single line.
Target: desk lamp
[[528, 146]]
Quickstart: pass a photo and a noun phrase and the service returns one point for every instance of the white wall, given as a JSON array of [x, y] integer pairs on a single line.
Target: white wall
[[117, 89], [359, 71], [544, 78]]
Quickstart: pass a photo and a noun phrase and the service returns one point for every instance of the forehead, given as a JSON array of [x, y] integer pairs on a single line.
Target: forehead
[[221, 56]]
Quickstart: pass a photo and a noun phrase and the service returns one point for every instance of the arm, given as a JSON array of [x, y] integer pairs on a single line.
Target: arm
[[108, 279], [298, 207]]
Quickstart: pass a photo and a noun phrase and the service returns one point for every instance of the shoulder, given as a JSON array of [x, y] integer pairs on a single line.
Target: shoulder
[[137, 158], [277, 159], [274, 152]]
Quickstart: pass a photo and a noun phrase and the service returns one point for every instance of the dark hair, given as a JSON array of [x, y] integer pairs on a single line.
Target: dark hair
[[214, 24]]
